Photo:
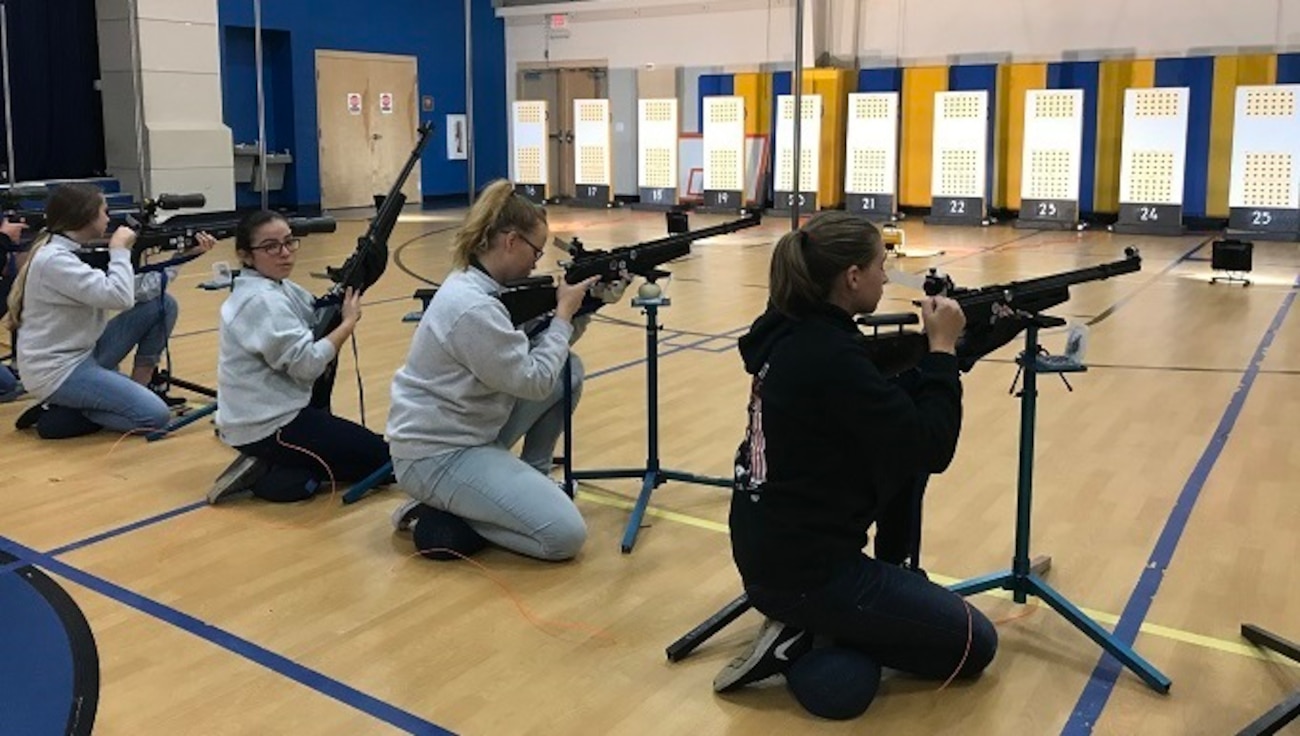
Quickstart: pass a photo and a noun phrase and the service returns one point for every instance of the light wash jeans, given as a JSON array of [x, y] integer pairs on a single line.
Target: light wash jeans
[[109, 398], [510, 500]]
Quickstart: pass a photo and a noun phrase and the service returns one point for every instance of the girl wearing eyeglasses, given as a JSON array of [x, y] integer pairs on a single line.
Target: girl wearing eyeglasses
[[269, 362], [474, 385]]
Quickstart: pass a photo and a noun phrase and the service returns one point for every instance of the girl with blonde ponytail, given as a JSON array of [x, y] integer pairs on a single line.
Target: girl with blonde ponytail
[[473, 385], [833, 447], [67, 348]]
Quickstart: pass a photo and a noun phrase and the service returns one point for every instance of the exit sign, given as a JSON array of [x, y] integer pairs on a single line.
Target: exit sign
[[559, 21]]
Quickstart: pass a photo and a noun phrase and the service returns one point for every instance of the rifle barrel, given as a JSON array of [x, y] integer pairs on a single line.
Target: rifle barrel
[[1020, 289]]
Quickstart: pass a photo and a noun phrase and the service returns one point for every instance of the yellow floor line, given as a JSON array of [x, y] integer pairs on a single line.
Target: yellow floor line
[[607, 498]]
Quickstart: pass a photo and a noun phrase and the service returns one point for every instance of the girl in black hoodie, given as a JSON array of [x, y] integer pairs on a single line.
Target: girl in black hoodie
[[831, 445]]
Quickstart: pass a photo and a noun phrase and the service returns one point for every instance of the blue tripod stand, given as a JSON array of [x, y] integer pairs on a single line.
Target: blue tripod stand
[[653, 474], [1023, 578]]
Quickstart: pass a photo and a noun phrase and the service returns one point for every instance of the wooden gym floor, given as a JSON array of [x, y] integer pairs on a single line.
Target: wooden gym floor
[[315, 617]]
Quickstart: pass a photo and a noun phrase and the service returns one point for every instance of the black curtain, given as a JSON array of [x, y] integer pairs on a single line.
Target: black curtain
[[58, 118]]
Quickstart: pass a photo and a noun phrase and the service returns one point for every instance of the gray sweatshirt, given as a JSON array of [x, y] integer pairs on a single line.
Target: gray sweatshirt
[[467, 366], [65, 308], [268, 357]]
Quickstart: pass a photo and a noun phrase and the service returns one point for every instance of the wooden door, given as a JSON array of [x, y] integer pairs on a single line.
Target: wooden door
[[560, 87], [367, 107], [544, 84], [575, 84]]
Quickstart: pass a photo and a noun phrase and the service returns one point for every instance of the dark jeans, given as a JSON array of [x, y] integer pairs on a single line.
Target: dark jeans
[[893, 615], [351, 450]]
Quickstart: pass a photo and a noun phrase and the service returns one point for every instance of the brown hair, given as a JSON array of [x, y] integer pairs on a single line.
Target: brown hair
[[69, 207], [497, 210], [807, 261]]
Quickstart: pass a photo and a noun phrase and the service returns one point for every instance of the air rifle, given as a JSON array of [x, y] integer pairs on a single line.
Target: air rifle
[[986, 330], [535, 296], [370, 259], [181, 231], [14, 201]]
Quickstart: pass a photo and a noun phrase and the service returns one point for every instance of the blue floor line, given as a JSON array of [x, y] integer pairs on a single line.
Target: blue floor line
[[321, 683], [1092, 701], [125, 528]]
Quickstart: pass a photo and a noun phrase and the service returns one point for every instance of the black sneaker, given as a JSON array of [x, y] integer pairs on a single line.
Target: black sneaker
[[30, 417], [777, 647], [239, 477]]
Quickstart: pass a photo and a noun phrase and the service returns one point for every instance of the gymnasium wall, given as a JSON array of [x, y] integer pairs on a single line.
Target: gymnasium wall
[[431, 30], [920, 47]]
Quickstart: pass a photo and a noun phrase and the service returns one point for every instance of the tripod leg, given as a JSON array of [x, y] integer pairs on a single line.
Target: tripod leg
[[679, 649], [1276, 719], [1040, 564], [1102, 637], [570, 487], [638, 511], [186, 420], [367, 484]]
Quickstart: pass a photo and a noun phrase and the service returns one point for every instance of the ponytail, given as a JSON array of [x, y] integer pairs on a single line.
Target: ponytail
[[806, 261], [497, 210], [14, 318]]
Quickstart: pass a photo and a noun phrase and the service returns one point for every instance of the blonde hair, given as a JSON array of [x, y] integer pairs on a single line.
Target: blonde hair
[[70, 207], [807, 261], [497, 210]]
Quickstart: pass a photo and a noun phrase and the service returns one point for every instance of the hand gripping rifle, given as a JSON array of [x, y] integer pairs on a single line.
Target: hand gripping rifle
[[986, 330], [533, 297]]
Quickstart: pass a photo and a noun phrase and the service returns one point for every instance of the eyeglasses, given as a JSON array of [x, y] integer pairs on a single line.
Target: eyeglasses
[[537, 252], [273, 248]]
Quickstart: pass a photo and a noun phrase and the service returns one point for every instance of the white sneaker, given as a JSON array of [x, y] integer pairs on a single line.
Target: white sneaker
[[238, 478], [404, 516], [771, 653]]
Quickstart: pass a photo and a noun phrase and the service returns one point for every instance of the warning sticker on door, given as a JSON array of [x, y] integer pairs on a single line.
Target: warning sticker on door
[[386, 103]]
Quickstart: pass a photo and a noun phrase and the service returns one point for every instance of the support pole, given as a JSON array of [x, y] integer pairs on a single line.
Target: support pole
[[261, 100], [469, 94], [797, 78], [133, 21], [9, 113]]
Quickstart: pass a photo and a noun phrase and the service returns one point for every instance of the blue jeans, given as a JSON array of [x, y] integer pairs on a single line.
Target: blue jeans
[[893, 615], [144, 327], [8, 381], [109, 398], [511, 501]]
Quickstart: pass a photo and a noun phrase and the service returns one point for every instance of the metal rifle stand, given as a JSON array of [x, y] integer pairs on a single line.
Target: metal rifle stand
[[1023, 578], [164, 375], [653, 474], [189, 417], [1286, 711]]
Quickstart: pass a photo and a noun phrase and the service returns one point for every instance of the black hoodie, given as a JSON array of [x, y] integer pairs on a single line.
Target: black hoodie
[[829, 442]]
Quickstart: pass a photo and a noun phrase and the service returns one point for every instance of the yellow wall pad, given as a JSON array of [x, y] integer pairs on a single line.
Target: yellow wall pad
[[1014, 80], [916, 150]]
